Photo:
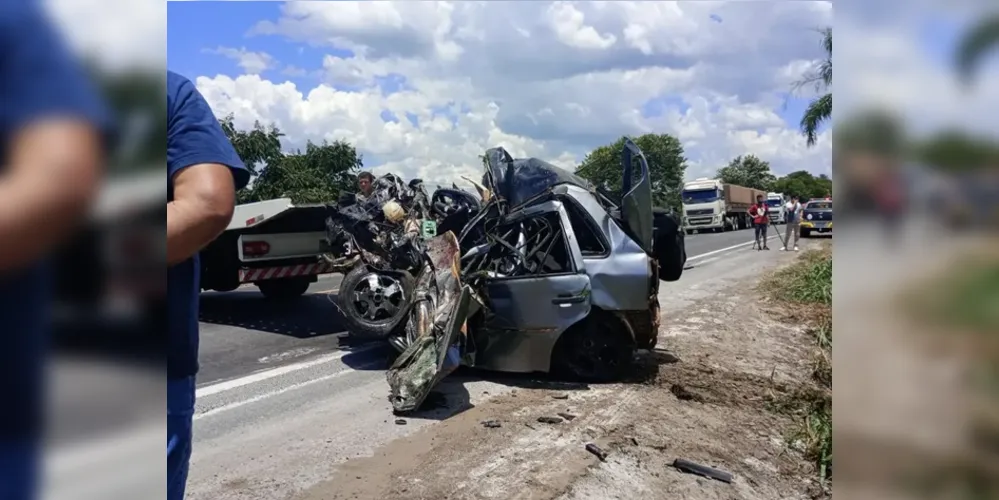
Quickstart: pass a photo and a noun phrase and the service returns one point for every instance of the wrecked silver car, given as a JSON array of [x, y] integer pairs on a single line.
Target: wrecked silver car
[[546, 274]]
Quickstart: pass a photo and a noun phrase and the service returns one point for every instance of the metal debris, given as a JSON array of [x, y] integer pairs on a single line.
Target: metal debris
[[550, 420], [400, 421], [596, 450], [560, 396], [567, 416], [702, 470], [491, 424]]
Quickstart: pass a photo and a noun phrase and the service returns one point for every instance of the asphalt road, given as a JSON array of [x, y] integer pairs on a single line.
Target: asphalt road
[[242, 333], [283, 394]]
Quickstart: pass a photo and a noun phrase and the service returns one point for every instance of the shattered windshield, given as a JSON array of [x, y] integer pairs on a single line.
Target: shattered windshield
[[520, 180]]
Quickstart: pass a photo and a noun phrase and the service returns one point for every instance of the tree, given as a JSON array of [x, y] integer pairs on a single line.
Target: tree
[[820, 109], [667, 166], [956, 151], [140, 115], [975, 45], [804, 185], [260, 145], [318, 175], [748, 171]]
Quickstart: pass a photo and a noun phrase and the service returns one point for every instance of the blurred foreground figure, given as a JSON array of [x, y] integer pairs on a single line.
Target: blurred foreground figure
[[53, 132], [203, 174]]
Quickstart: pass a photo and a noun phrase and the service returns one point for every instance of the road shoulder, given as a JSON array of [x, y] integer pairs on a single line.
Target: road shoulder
[[708, 397]]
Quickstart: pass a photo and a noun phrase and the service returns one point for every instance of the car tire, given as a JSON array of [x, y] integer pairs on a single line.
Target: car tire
[[284, 289], [353, 311], [598, 349]]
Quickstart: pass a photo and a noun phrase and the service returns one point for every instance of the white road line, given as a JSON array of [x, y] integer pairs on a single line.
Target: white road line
[[260, 376], [720, 250], [259, 397]]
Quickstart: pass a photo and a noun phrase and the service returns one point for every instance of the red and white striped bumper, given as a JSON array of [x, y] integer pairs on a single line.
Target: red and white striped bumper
[[270, 273]]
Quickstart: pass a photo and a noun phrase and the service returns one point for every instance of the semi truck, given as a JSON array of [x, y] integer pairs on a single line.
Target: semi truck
[[276, 245], [711, 205], [775, 202]]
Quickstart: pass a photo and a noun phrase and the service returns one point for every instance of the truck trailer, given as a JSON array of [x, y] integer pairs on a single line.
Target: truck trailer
[[711, 205]]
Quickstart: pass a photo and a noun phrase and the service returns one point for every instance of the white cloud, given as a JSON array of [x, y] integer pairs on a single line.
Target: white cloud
[[134, 37], [251, 62], [552, 80]]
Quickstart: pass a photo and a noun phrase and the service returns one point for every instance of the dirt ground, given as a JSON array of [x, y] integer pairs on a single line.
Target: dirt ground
[[707, 397]]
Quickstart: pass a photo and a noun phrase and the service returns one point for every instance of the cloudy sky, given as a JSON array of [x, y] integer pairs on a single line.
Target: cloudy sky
[[422, 88]]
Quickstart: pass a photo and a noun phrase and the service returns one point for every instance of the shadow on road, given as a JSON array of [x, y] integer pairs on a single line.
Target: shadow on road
[[304, 317]]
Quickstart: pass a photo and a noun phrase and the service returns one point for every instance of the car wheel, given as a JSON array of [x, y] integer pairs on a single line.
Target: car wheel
[[283, 289], [374, 302], [598, 349]]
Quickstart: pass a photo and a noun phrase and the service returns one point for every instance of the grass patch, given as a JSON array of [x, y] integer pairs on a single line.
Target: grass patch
[[807, 286], [966, 298]]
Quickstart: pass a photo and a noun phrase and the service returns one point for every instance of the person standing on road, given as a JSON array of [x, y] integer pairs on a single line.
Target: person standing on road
[[55, 132], [758, 212], [792, 217], [203, 174]]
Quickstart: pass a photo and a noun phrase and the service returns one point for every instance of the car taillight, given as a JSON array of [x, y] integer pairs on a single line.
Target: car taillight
[[256, 248]]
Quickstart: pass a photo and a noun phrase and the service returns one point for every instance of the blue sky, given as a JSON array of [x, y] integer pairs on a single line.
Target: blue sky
[[398, 133], [197, 27]]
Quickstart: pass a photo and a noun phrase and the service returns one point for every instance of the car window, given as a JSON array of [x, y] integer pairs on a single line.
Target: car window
[[819, 205], [529, 248], [585, 228]]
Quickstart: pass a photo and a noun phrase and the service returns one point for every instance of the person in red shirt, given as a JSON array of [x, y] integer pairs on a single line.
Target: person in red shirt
[[758, 211]]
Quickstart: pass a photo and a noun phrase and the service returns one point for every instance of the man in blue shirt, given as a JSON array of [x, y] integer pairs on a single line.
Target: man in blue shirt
[[54, 132], [203, 174]]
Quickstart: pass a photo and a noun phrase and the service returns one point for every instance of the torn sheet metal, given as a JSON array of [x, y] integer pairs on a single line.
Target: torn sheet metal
[[437, 327], [517, 181]]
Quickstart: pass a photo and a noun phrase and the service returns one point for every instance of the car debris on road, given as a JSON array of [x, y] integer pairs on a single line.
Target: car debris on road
[[541, 272]]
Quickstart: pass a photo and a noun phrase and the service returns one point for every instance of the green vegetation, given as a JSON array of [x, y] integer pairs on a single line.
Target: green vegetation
[[667, 166], [317, 175], [967, 298], [820, 109], [748, 171], [807, 287]]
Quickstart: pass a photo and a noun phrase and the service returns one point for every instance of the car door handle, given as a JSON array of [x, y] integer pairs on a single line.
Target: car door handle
[[569, 299]]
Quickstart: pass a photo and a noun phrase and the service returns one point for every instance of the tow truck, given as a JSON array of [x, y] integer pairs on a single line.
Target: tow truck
[[276, 245]]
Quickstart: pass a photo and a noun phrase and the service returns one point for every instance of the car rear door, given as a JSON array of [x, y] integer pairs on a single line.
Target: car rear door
[[636, 198], [531, 310]]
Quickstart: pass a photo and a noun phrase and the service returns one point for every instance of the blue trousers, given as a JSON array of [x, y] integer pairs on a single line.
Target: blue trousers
[[180, 420], [19, 470]]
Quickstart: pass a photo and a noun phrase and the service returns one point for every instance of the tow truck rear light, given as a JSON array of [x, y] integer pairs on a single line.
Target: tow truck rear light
[[256, 248]]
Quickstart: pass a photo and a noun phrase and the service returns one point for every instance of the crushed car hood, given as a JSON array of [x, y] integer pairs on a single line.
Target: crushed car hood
[[436, 329], [517, 181]]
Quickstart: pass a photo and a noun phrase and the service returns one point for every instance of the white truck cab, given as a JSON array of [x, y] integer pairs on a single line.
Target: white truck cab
[[776, 203]]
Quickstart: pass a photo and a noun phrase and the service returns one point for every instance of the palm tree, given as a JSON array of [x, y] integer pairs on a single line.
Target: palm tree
[[820, 109], [975, 45]]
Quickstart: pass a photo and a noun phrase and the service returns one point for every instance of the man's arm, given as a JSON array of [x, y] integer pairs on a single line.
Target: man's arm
[[204, 173], [204, 197], [56, 129]]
